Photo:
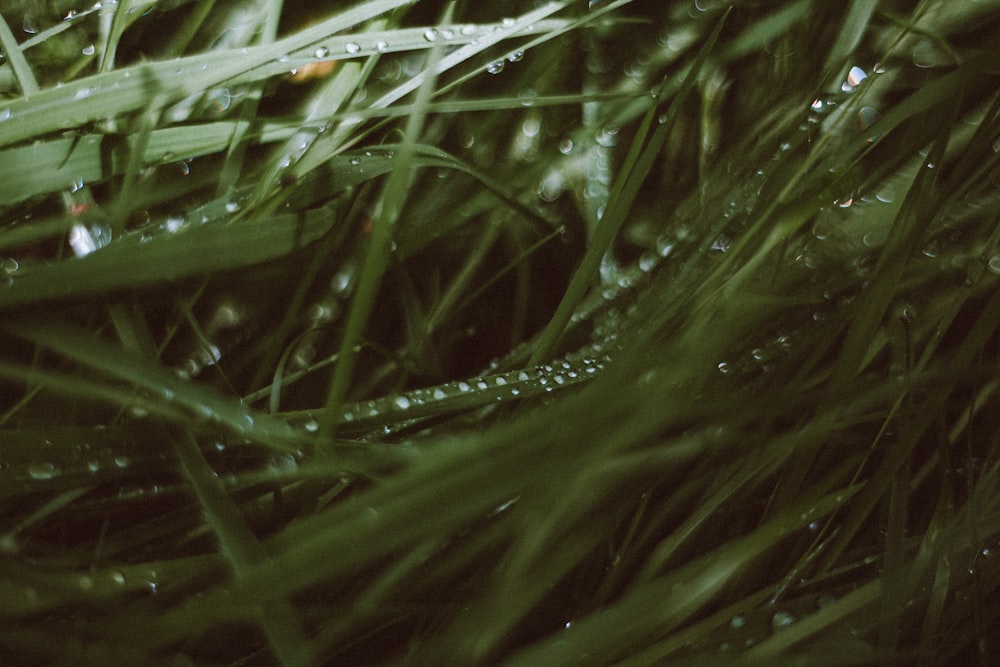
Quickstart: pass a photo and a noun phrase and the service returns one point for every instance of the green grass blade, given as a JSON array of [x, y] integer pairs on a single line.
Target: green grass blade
[[623, 195]]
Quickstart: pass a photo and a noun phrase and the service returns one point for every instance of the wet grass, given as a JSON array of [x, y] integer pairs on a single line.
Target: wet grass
[[573, 333]]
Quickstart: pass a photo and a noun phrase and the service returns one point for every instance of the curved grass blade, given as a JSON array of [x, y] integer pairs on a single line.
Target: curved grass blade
[[122, 91], [642, 154], [22, 70], [390, 207], [200, 402]]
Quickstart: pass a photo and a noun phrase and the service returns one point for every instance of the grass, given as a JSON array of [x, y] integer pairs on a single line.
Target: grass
[[626, 332]]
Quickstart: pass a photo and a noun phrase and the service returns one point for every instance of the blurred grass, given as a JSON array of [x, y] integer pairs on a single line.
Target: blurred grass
[[627, 332]]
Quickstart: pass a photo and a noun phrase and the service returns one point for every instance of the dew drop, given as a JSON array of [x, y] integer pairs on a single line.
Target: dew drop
[[321, 52], [495, 67], [352, 47], [232, 207], [781, 620], [430, 34], [516, 56], [381, 46], [856, 76], [88, 50], [647, 262], [402, 402], [664, 247], [43, 470]]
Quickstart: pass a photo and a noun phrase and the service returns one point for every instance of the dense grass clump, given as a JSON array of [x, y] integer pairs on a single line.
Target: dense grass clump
[[532, 333]]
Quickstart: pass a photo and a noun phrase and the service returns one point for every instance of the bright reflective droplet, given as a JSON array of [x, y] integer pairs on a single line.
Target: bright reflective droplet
[[42, 470], [781, 620], [495, 67], [430, 34], [88, 50], [352, 48], [516, 56], [856, 76], [321, 52], [402, 402], [381, 46]]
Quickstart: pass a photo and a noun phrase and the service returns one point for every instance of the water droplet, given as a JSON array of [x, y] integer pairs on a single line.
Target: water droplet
[[516, 56], [381, 46], [495, 67], [88, 50], [402, 402], [118, 577], [887, 194], [28, 25], [232, 207], [82, 94], [321, 52], [355, 161], [664, 247], [856, 76], [994, 264], [43, 470], [430, 34], [781, 620], [868, 116], [352, 47], [508, 22]]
